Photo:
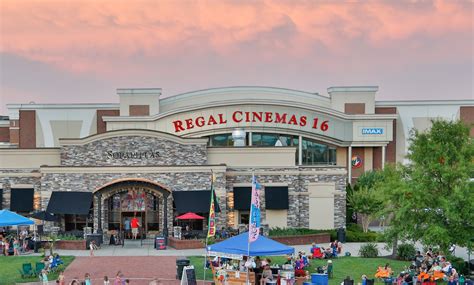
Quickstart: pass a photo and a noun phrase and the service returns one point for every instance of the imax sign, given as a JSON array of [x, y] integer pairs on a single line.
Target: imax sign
[[372, 131]]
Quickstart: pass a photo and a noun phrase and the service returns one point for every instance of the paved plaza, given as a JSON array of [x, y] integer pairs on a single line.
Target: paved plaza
[[138, 269]]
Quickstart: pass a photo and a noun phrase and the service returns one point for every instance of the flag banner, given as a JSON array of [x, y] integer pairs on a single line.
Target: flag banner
[[211, 231], [254, 223]]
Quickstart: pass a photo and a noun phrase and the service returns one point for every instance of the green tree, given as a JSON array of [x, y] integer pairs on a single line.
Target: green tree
[[431, 199], [364, 199]]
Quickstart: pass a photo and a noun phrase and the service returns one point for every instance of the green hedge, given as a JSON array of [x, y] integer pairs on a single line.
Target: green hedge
[[354, 233], [278, 232]]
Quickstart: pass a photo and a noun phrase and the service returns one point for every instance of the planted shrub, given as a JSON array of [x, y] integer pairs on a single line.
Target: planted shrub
[[369, 250], [406, 251], [298, 232]]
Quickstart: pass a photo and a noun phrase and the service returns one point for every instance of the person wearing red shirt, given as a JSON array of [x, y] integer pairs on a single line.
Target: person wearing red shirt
[[135, 224]]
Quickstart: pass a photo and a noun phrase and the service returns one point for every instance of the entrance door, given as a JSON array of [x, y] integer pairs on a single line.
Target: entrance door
[[141, 216]]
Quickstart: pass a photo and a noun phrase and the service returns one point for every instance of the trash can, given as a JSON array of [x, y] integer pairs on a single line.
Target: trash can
[[180, 264], [320, 279], [94, 237], [341, 235], [160, 242]]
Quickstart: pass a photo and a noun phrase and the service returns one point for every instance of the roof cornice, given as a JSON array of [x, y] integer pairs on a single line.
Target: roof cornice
[[309, 107]]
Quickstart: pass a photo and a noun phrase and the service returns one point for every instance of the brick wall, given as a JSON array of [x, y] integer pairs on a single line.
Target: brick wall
[[27, 129], [5, 134], [101, 125], [139, 110], [466, 114], [354, 108]]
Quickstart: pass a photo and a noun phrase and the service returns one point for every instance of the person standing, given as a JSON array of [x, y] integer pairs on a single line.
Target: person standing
[[44, 277], [87, 279], [16, 247], [61, 280], [126, 226], [135, 224], [92, 247]]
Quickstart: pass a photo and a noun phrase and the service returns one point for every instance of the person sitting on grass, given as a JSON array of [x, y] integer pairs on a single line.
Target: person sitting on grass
[[328, 253], [383, 272]]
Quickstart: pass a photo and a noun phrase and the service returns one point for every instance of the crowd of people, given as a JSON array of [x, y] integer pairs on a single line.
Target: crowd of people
[[89, 280], [426, 268], [14, 244], [319, 252]]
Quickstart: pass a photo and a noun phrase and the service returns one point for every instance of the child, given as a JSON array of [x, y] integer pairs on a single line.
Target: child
[[16, 247], [106, 280], [87, 279], [44, 277], [92, 247], [60, 280]]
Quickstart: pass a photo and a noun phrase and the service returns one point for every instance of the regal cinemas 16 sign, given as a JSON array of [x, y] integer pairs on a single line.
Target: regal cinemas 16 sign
[[239, 116]]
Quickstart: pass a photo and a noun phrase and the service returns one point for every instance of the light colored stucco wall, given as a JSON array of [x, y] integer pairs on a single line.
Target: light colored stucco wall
[[341, 156], [252, 156], [277, 218], [342, 95], [28, 158], [150, 97], [321, 205], [418, 114]]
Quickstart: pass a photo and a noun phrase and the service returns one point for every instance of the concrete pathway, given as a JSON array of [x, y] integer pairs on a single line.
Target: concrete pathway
[[133, 248]]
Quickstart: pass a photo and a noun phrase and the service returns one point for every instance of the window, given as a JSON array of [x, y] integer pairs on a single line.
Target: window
[[244, 217], [315, 153], [221, 140]]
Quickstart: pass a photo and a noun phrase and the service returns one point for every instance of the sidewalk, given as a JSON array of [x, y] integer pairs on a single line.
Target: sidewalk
[[133, 248]]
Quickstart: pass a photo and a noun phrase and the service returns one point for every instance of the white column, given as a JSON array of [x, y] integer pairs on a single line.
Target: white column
[[300, 150], [383, 156], [250, 138], [349, 164]]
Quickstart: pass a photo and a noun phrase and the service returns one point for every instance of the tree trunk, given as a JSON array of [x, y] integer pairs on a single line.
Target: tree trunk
[[394, 247], [365, 219]]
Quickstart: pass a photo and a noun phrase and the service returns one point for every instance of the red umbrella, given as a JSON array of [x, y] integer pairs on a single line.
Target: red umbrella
[[190, 216]]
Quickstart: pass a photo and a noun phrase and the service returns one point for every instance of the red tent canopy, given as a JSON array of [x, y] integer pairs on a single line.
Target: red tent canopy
[[190, 216]]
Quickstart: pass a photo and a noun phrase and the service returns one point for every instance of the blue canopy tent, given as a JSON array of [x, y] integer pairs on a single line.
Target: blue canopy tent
[[238, 245], [8, 218]]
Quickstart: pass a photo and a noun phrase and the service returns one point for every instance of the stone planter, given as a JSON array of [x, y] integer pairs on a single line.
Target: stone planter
[[304, 239], [70, 244]]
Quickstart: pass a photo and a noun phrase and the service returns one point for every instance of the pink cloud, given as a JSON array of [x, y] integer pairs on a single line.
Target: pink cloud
[[88, 36]]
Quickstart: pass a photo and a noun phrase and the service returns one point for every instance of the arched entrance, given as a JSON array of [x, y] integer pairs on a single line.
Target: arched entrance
[[122, 199]]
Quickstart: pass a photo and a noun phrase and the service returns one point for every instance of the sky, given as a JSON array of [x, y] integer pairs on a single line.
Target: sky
[[82, 51]]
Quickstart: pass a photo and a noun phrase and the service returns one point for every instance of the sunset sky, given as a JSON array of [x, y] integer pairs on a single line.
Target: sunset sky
[[81, 51]]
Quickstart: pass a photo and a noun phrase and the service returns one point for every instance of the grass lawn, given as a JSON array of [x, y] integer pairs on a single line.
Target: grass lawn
[[10, 266], [354, 267]]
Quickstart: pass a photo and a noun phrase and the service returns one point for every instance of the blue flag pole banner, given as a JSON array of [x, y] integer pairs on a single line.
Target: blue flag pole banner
[[254, 223]]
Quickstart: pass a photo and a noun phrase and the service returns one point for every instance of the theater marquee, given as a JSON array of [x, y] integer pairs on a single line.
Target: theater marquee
[[250, 117]]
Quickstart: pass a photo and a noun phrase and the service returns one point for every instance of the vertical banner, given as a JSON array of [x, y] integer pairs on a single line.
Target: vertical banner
[[254, 223], [211, 231]]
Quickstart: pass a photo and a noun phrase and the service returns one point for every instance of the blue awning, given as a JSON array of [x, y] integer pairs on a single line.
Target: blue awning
[[8, 218], [262, 246]]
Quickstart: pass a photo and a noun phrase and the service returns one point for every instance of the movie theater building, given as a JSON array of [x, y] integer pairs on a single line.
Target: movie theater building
[[97, 164]]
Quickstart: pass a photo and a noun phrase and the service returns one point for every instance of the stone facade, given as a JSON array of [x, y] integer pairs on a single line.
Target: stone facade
[[297, 180], [133, 151], [88, 168]]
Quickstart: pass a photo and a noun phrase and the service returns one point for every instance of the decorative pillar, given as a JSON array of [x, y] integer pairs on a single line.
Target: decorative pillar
[[349, 164], [300, 150], [165, 217], [383, 156], [99, 213]]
